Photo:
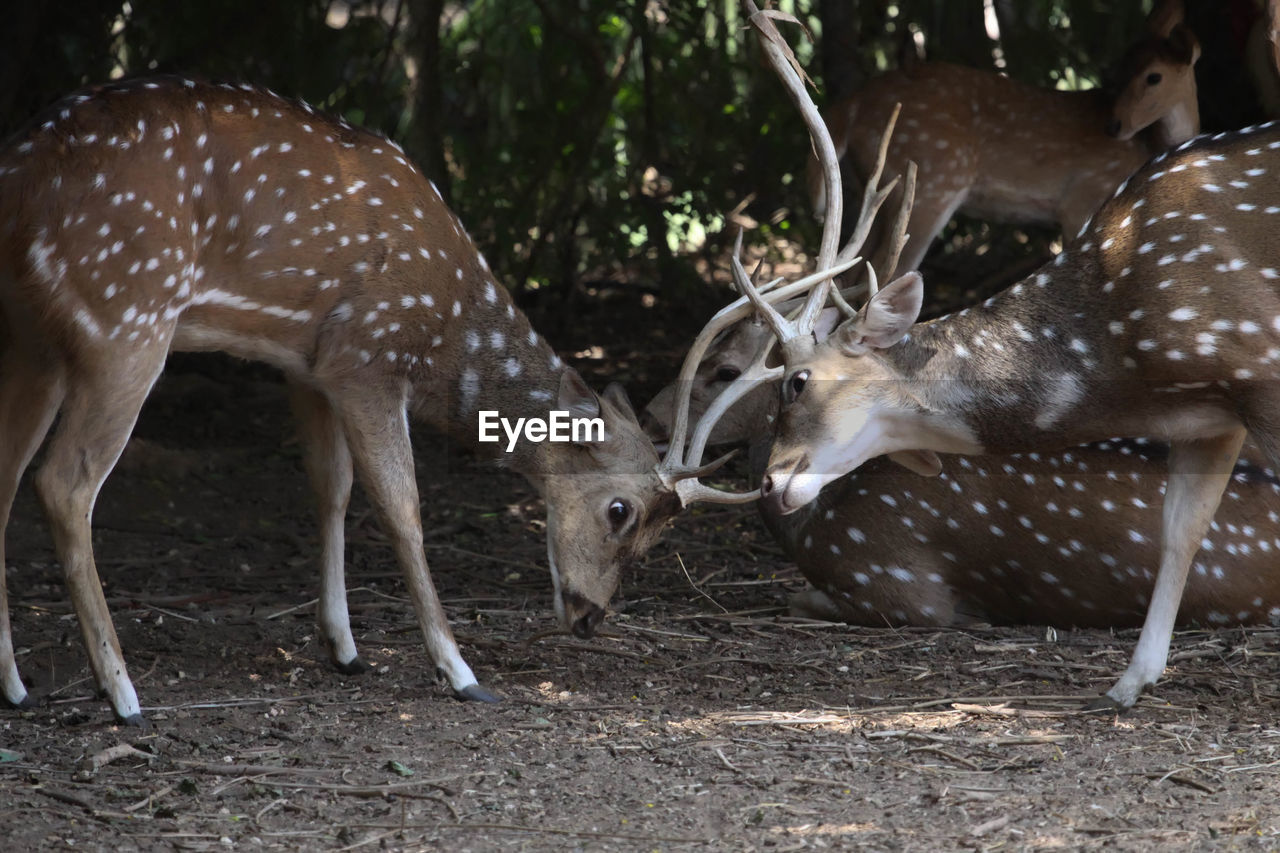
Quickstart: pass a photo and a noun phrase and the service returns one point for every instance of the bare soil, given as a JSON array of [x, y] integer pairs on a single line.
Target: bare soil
[[703, 718]]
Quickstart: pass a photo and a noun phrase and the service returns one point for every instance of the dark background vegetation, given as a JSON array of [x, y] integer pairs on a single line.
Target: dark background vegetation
[[592, 146]]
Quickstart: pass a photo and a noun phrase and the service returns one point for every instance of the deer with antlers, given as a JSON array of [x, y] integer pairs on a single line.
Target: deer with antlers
[[993, 147], [1044, 538], [1162, 319], [158, 215]]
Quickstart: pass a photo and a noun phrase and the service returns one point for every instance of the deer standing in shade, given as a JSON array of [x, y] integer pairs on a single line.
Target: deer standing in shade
[[159, 215], [999, 149]]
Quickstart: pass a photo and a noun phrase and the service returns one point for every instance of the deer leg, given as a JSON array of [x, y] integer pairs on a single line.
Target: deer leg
[[100, 411], [29, 398], [377, 431], [1198, 474], [328, 463], [814, 604]]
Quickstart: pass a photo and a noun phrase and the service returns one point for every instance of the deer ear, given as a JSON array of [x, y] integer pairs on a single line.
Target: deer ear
[[884, 320], [575, 397], [617, 395], [1165, 15], [1183, 44], [827, 321], [923, 462]]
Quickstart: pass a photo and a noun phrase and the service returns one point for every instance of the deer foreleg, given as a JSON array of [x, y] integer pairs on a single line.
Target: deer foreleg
[[377, 431], [99, 414], [1198, 474]]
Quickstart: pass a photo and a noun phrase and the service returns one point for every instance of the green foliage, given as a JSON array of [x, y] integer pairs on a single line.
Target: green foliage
[[576, 138], [603, 136]]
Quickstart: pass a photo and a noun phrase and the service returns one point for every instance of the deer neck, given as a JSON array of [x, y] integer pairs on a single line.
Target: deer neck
[[492, 368], [1176, 127]]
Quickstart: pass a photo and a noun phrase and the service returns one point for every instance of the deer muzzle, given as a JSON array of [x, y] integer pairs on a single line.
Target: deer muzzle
[[786, 486], [580, 615]]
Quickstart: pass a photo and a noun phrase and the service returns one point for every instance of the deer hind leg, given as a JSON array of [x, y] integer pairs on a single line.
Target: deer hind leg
[[98, 415], [1198, 474], [29, 398], [377, 429], [328, 462]]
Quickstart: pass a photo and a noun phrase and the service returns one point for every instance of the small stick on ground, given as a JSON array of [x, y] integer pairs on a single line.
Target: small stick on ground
[[115, 753], [695, 587]]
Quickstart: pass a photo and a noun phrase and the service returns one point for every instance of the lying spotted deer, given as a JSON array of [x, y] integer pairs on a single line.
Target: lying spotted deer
[[158, 215], [1162, 319], [1057, 538], [999, 149]]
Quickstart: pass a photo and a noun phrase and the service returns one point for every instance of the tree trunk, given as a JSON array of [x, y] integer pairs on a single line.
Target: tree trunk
[[425, 139], [842, 73]]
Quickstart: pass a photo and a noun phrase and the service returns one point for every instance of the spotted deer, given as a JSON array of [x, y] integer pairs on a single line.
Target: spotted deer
[[1060, 538], [999, 149], [1162, 319], [158, 215]]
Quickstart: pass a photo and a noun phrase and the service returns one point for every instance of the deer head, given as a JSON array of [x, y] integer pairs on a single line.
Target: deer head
[[606, 504], [1159, 81]]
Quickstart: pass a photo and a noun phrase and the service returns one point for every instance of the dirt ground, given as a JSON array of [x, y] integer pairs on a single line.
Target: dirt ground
[[703, 718]]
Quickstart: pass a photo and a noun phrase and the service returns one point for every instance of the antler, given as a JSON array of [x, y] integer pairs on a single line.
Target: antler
[[680, 470], [873, 197], [796, 340], [788, 69]]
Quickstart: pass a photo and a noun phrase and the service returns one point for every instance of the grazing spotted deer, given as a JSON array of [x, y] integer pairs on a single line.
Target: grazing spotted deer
[[999, 149], [1059, 538], [157, 215], [1162, 319]]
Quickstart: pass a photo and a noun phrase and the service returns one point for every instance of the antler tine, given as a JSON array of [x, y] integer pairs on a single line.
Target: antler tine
[[691, 491], [873, 284], [899, 239], [784, 63], [755, 273], [837, 297], [873, 195], [781, 327]]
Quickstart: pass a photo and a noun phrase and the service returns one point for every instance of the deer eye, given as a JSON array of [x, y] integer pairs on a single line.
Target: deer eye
[[619, 512], [727, 373], [1153, 78], [794, 386]]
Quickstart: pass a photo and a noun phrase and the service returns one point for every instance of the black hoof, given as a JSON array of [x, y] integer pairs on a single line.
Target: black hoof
[[136, 721], [1104, 704], [355, 666], [476, 693]]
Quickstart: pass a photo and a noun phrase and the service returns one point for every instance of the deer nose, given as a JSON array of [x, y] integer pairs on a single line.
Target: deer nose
[[580, 614], [1113, 127], [585, 625], [776, 484], [772, 496]]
